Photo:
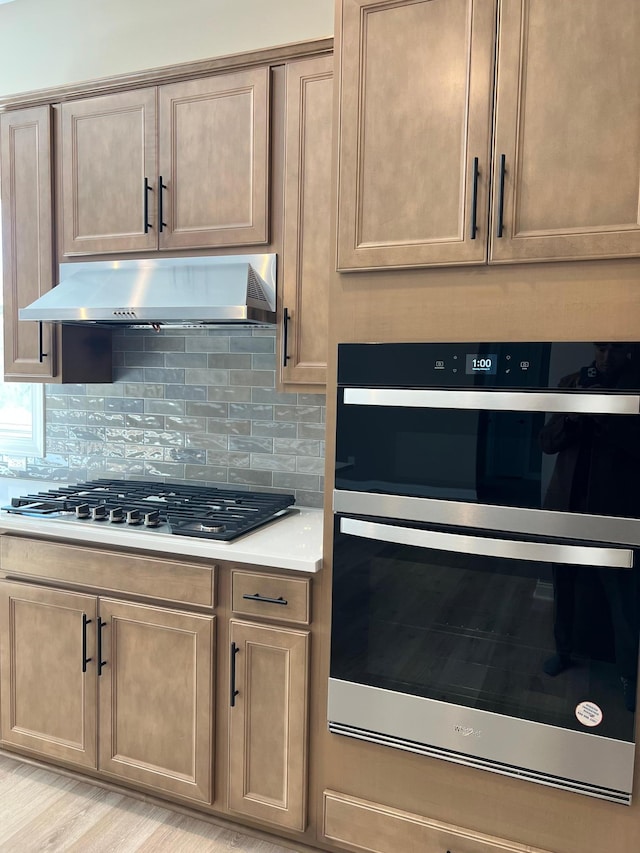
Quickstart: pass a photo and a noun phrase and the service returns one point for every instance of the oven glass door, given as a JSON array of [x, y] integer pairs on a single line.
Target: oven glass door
[[568, 452], [537, 631]]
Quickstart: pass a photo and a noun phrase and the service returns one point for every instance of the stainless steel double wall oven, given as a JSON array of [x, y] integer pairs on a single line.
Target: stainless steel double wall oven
[[486, 589]]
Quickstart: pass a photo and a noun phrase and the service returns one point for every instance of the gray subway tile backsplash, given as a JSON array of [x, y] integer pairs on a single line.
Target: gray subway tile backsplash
[[185, 392], [198, 406], [226, 426]]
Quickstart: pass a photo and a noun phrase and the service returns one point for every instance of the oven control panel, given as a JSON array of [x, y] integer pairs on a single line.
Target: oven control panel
[[524, 365]]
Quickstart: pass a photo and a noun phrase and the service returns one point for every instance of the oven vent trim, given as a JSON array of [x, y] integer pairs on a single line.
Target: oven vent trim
[[514, 772]]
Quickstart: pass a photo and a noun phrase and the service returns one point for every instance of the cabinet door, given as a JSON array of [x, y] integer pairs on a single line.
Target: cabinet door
[[48, 672], [156, 698], [307, 235], [108, 150], [27, 238], [415, 110], [213, 138], [568, 126], [268, 723]]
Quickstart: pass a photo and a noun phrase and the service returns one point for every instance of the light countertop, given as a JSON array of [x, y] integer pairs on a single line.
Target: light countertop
[[293, 541]]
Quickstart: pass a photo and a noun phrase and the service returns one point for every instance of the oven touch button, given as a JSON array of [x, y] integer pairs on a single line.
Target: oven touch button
[[589, 714]]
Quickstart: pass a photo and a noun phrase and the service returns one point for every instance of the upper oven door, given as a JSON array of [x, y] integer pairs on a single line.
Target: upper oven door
[[483, 457]]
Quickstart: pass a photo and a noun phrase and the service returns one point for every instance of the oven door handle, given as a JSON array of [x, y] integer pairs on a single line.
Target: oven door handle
[[601, 403], [544, 552]]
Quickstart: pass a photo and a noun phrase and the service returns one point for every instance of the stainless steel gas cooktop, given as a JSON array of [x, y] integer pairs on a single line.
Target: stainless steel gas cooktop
[[208, 513]]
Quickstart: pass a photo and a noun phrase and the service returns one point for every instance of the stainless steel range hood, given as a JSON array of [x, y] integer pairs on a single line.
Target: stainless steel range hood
[[176, 292]]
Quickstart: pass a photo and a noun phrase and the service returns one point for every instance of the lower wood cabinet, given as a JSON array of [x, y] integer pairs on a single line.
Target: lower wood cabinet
[[268, 723], [49, 694], [127, 689], [146, 672], [361, 825], [156, 697]]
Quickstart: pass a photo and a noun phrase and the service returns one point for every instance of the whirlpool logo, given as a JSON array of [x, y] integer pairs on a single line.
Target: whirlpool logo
[[467, 731]]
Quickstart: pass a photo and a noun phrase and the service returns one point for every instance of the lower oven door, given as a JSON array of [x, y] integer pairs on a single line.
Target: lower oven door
[[513, 655]]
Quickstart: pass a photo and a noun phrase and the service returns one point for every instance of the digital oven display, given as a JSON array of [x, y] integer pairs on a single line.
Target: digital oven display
[[482, 364]]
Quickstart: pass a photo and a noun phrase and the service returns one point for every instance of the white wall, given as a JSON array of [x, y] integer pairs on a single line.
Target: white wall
[[45, 43]]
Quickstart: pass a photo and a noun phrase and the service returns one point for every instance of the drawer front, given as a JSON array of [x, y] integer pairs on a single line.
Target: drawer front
[[360, 825], [153, 577], [272, 596]]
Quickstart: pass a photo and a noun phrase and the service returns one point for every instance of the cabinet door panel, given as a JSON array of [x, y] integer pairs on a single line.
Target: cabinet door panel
[[48, 702], [307, 235], [213, 137], [415, 99], [156, 698], [268, 724], [108, 149], [27, 229], [568, 121]]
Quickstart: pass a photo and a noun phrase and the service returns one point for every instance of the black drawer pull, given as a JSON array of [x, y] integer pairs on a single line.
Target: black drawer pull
[[503, 170], [234, 692], [85, 659], [474, 200], [41, 354], [257, 597], [285, 337], [147, 190], [101, 662], [161, 186]]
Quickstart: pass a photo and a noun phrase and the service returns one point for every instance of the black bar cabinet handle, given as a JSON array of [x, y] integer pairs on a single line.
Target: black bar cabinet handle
[[101, 662], [161, 186], [234, 692], [285, 337], [503, 169], [147, 189], [85, 659], [257, 597], [474, 200], [41, 355]]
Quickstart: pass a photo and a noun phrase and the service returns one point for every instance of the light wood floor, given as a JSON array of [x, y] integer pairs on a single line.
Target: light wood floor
[[41, 811]]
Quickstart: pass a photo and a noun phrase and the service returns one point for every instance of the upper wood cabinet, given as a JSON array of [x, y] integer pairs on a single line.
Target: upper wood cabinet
[[415, 110], [37, 352], [427, 177], [193, 176], [108, 151], [27, 238], [213, 155], [567, 124], [307, 213]]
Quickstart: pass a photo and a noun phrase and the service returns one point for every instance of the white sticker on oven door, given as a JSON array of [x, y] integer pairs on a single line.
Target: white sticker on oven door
[[589, 714]]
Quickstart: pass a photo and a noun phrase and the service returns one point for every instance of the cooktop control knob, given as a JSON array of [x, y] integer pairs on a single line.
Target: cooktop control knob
[[116, 515], [82, 511], [152, 519], [99, 513], [134, 516]]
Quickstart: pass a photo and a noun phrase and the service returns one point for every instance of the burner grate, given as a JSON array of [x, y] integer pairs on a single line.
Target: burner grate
[[211, 513]]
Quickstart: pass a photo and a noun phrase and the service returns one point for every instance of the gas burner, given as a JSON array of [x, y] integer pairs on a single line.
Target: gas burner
[[209, 527], [211, 513]]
